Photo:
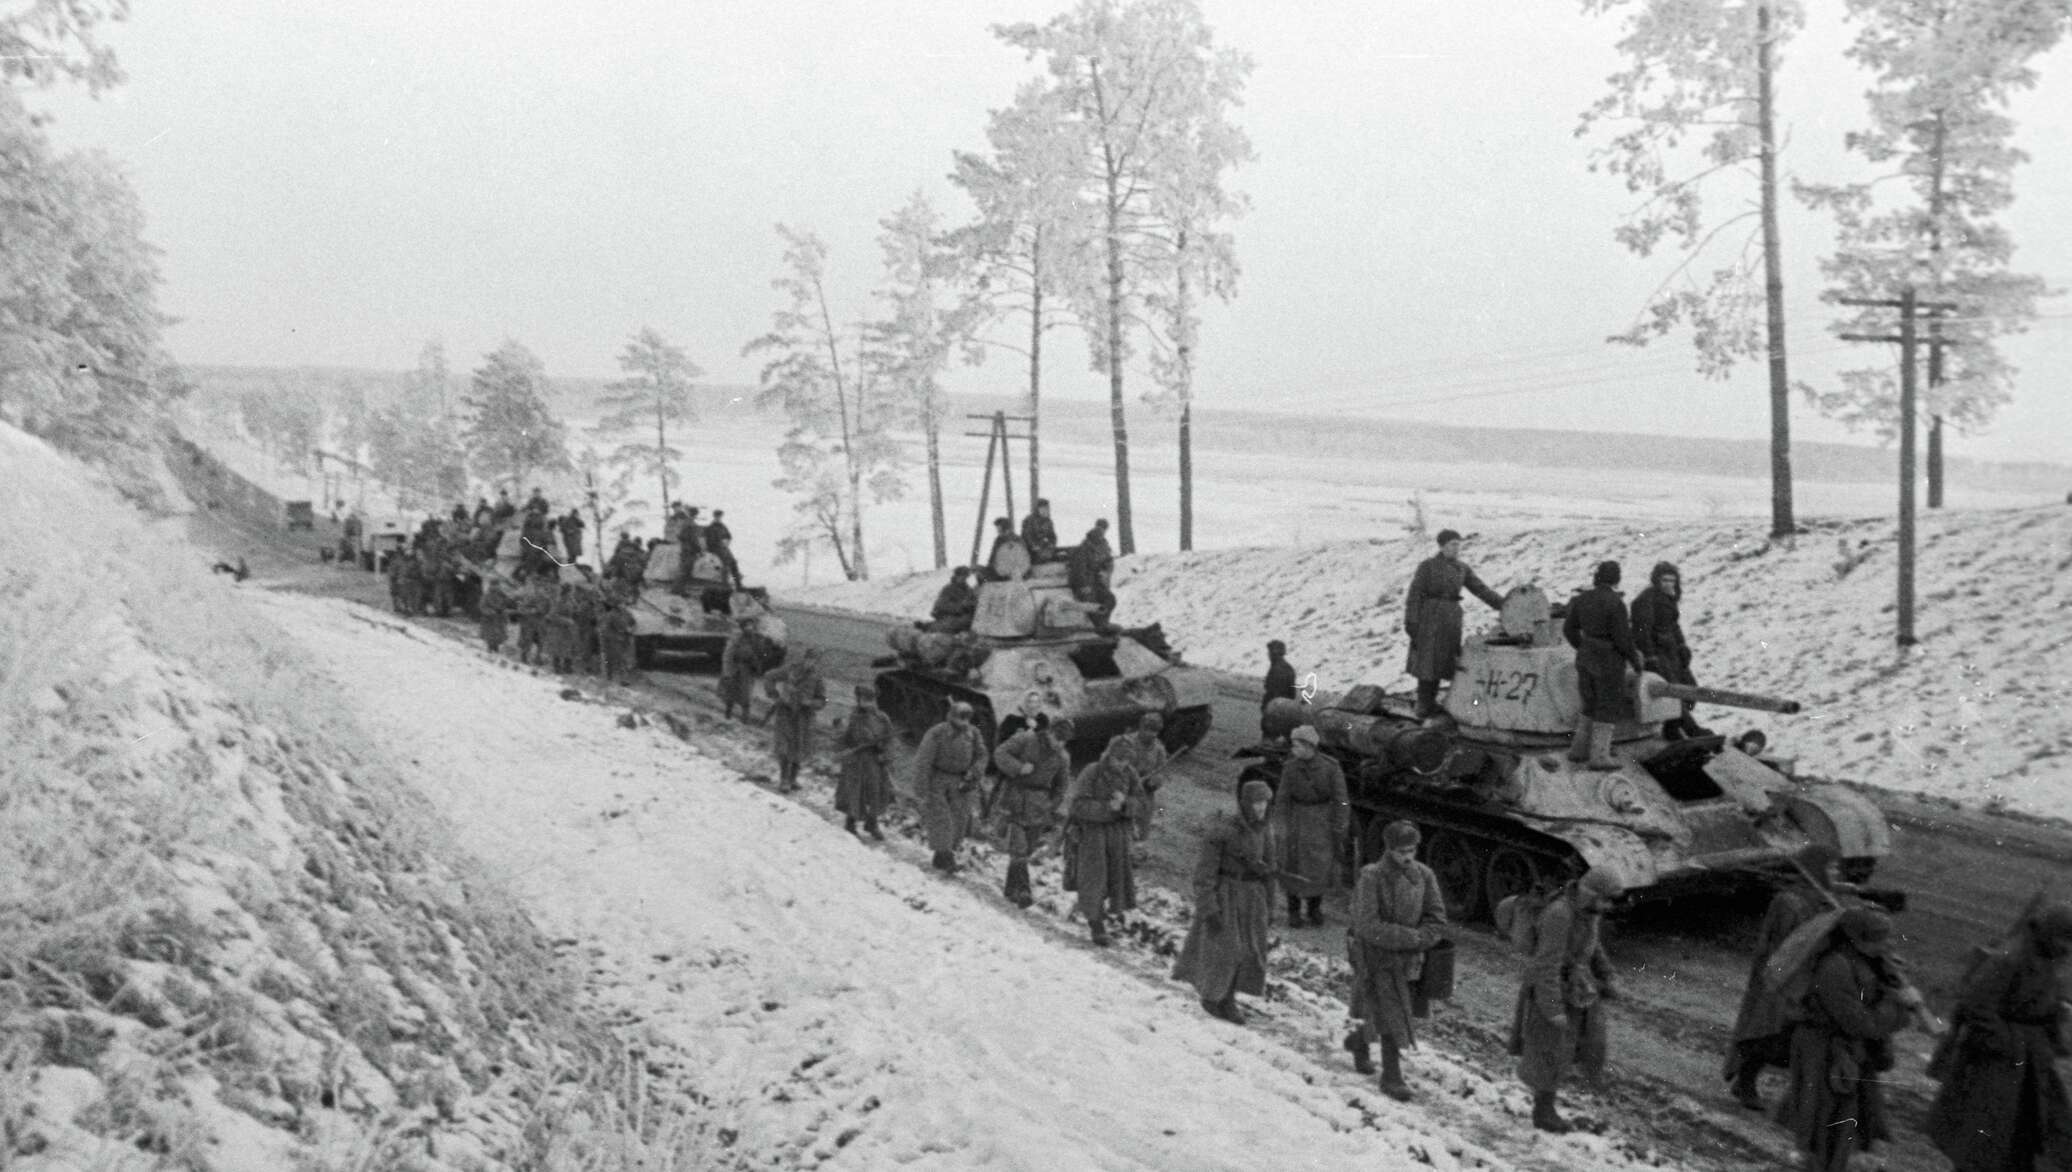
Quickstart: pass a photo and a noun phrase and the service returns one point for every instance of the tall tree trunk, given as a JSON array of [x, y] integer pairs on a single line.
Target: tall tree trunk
[[1935, 350], [1187, 473], [1125, 536], [662, 460], [1035, 373], [942, 545], [1781, 521], [1183, 311]]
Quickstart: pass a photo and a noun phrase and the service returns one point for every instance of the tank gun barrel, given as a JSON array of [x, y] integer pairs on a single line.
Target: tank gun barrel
[[1664, 690]]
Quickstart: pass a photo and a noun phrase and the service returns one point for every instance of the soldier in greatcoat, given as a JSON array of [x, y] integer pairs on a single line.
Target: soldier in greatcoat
[[2003, 1103], [1762, 1029], [571, 526], [1088, 571], [955, 604], [615, 638], [864, 787], [947, 767], [740, 665], [1657, 622], [1566, 979], [1098, 806], [394, 569], [1397, 915], [1034, 767], [494, 616], [799, 693], [1432, 618], [1834, 1106], [583, 642], [1309, 817], [1280, 681], [1039, 534], [1146, 754], [1225, 950], [533, 604], [1597, 627], [558, 634]]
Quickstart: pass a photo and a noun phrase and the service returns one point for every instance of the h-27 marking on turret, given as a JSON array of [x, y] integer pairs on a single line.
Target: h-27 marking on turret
[[1517, 686]]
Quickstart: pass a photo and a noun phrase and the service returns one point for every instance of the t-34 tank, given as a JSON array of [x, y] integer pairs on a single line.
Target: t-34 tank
[[694, 610], [1504, 809], [1031, 649]]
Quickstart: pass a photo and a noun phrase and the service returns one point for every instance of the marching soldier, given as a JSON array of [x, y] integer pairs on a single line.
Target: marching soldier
[[533, 604], [1840, 1049], [1432, 618], [1310, 813], [1145, 754], [1225, 950], [947, 767], [864, 787], [1565, 981], [615, 637], [495, 612], [1099, 805], [1034, 767], [560, 632], [799, 693], [1762, 1029], [1396, 917], [740, 663]]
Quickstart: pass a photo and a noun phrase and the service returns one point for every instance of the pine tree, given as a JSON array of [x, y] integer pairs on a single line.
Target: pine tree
[[511, 435], [656, 393]]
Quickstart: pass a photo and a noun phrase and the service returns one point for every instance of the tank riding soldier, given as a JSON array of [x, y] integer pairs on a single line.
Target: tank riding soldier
[[947, 767], [1842, 1045], [571, 525], [1762, 1029], [1396, 917], [1432, 618], [800, 693], [719, 542], [537, 506], [2003, 1102], [1566, 979], [1280, 681], [864, 787], [1310, 814], [1597, 628], [1034, 767], [1225, 950], [1039, 534], [505, 510], [1658, 632], [1098, 805], [955, 604], [1004, 542], [1088, 570]]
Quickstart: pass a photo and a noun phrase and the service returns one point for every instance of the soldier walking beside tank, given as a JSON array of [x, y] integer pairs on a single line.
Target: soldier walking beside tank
[[1145, 754], [1225, 950], [2003, 1103], [740, 662], [615, 638], [1432, 618], [1762, 1029], [1034, 768], [799, 693], [1396, 917], [947, 768], [494, 616], [1566, 979], [1280, 682], [1309, 819], [1098, 806], [1597, 628], [1834, 1106], [1039, 534], [1657, 622], [559, 633], [864, 787]]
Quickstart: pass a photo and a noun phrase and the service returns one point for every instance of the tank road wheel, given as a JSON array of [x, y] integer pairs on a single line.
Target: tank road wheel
[[1459, 867], [1510, 872]]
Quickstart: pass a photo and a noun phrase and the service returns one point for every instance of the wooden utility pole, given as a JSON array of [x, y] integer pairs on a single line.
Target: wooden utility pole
[[998, 446], [1908, 307]]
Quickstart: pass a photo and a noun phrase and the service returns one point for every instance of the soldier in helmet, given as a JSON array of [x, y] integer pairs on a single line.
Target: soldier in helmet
[[1657, 623]]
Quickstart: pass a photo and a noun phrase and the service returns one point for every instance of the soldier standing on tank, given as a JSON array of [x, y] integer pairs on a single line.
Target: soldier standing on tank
[[1397, 915], [800, 693], [2003, 1103], [1762, 1028], [947, 767], [1146, 754], [1280, 682], [1432, 618], [1034, 767], [1039, 534], [615, 638], [864, 787], [1598, 629], [740, 663], [955, 604], [1098, 806], [1003, 539], [1657, 624], [1309, 817], [1842, 1045], [1566, 981], [494, 616], [1088, 569], [719, 542], [504, 510], [1225, 950], [572, 534]]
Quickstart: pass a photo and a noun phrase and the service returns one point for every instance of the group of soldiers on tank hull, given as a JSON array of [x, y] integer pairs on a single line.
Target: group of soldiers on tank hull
[[1089, 569]]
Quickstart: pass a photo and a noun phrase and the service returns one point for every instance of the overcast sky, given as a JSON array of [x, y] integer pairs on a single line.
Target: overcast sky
[[332, 184]]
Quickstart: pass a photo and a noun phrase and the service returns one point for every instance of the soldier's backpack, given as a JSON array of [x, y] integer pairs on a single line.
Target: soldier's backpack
[[1518, 919], [1789, 971]]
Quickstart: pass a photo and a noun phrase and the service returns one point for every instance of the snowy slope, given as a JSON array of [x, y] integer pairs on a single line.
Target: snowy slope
[[834, 1004], [1979, 712]]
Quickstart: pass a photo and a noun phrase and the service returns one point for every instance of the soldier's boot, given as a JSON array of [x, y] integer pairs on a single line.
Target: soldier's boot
[[1745, 1090], [870, 827], [1017, 889], [946, 862], [1294, 911], [1316, 910], [1579, 745], [1099, 927], [1363, 1054], [1545, 1116], [1230, 1012], [849, 824], [1601, 745], [1427, 698], [1392, 1083]]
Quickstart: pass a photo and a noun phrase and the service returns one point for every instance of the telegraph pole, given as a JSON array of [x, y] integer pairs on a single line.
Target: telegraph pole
[[1908, 307], [999, 440]]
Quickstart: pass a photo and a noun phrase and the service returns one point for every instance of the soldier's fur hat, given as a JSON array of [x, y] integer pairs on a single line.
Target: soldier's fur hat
[[1446, 535], [1254, 790], [1276, 647], [1607, 574], [1151, 722], [1869, 929], [1306, 735], [1399, 834]]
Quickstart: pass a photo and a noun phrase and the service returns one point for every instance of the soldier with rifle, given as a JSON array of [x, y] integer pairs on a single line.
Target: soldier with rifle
[[864, 786], [1034, 767]]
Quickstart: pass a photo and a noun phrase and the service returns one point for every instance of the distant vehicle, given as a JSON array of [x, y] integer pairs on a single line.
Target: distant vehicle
[[693, 614], [382, 540], [301, 515]]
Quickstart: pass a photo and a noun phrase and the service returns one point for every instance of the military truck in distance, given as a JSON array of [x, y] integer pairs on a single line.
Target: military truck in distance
[[1031, 649], [1504, 810], [695, 614]]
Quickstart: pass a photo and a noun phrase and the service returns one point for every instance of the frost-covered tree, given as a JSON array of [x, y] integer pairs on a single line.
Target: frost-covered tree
[[511, 434], [1695, 108], [839, 441], [1131, 75], [1946, 71], [1027, 251], [655, 394]]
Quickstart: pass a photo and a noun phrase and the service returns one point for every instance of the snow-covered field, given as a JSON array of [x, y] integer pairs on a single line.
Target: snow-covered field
[[831, 1002], [1979, 712]]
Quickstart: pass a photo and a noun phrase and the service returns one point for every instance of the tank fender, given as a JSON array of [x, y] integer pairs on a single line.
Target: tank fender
[[1840, 817], [1621, 852]]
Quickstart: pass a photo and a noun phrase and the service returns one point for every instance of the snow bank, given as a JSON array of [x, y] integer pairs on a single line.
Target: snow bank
[[1980, 712], [833, 1004]]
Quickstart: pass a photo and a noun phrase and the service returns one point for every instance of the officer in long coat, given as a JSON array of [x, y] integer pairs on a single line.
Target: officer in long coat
[[1280, 681], [864, 786], [1840, 1050], [1099, 806], [740, 665], [1146, 754], [1762, 1029], [494, 616], [1432, 618], [2003, 1103], [1657, 621], [1597, 627], [947, 767], [799, 693], [1034, 766], [1309, 818], [1567, 977], [1225, 950], [1397, 915]]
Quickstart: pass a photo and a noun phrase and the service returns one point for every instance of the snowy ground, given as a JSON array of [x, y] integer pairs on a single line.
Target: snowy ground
[[1980, 712], [833, 1003]]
